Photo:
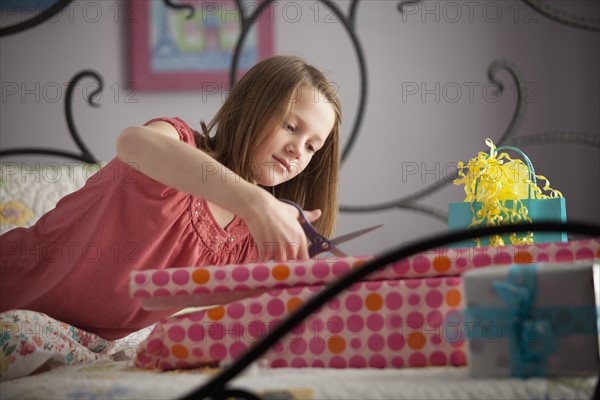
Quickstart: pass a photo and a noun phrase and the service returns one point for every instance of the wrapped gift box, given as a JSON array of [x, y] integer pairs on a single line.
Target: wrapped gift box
[[394, 323], [406, 314], [192, 286], [532, 320]]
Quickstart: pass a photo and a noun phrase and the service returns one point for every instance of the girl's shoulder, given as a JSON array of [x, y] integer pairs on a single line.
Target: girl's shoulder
[[186, 133]]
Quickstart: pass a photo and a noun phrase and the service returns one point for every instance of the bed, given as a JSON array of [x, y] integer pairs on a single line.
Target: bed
[[45, 358]]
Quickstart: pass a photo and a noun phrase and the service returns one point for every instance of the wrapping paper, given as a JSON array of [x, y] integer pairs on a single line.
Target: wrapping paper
[[191, 286], [408, 314], [534, 320], [395, 323]]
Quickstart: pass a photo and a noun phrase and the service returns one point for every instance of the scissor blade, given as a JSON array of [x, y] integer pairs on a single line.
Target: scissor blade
[[349, 236]]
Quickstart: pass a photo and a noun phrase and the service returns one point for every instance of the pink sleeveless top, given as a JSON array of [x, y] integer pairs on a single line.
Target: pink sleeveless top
[[74, 264]]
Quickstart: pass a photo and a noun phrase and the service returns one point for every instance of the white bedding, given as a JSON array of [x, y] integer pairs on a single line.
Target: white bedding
[[118, 380]]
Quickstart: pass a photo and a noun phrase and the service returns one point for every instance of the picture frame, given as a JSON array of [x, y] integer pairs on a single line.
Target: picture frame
[[171, 51]]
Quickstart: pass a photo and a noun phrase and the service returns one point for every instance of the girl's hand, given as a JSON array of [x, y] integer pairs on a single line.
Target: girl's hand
[[275, 228]]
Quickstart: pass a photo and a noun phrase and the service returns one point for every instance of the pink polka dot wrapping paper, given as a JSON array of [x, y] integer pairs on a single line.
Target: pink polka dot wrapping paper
[[408, 314], [192, 286], [393, 323]]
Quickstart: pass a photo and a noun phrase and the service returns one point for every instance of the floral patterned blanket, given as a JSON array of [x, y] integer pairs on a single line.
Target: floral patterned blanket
[[32, 342]]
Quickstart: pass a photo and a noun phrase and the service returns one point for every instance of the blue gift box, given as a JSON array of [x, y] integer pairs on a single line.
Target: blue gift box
[[532, 320]]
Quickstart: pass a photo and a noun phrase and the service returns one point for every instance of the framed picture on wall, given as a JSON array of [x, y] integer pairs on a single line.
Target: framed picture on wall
[[170, 51]]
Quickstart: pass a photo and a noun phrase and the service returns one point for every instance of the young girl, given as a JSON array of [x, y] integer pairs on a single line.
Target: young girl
[[174, 197]]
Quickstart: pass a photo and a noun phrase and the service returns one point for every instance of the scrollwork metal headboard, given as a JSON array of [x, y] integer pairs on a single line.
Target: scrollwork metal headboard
[[410, 201], [86, 155]]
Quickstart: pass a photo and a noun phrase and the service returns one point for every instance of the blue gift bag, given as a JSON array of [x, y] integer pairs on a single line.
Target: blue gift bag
[[460, 217], [551, 209]]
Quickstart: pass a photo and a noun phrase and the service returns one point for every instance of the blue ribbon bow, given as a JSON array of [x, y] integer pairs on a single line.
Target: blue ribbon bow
[[532, 331]]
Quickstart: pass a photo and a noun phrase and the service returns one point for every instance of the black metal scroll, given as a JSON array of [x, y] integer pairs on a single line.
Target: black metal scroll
[[563, 17], [190, 9], [86, 155], [35, 20], [410, 201], [584, 138]]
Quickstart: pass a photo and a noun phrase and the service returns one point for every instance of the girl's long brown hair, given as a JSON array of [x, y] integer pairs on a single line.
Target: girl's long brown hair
[[258, 104]]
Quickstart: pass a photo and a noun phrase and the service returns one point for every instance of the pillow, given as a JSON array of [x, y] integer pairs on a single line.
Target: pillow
[[29, 191]]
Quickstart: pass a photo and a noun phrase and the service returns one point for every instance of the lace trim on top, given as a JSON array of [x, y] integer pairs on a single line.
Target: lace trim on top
[[215, 238]]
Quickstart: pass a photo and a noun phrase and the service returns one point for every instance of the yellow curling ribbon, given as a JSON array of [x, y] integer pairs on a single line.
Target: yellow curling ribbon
[[494, 178]]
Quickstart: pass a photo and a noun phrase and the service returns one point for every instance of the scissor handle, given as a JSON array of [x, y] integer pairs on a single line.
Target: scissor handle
[[318, 242]]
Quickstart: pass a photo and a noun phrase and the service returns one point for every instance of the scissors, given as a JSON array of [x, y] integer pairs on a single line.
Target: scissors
[[319, 243]]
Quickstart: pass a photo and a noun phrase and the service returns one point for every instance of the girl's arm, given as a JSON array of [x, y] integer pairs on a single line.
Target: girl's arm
[[156, 151]]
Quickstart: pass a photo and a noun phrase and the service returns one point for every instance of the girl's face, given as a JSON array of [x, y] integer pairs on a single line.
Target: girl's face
[[295, 141]]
